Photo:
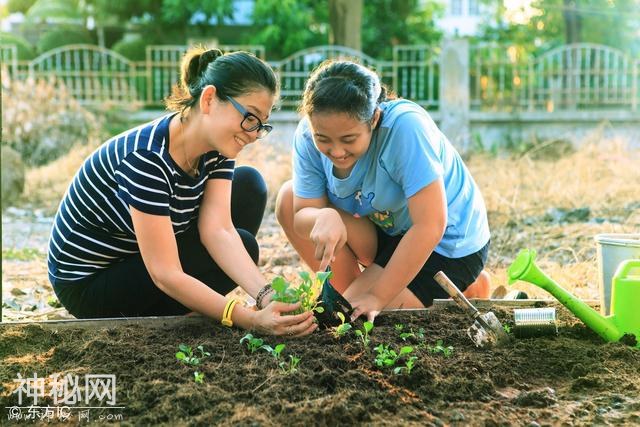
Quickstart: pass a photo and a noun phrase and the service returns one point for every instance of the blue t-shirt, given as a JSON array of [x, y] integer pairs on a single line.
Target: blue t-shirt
[[407, 153]]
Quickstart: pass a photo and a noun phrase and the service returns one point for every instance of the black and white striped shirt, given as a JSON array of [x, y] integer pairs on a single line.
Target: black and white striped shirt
[[93, 229]]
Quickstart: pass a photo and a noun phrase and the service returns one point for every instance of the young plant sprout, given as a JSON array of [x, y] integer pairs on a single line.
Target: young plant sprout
[[306, 292], [389, 357], [292, 366], [364, 333], [406, 335], [342, 328], [408, 366], [188, 356], [276, 351], [440, 348], [506, 328], [198, 377], [398, 327], [253, 343]]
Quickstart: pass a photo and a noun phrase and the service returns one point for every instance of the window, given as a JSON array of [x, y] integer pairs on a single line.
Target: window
[[456, 7], [474, 9]]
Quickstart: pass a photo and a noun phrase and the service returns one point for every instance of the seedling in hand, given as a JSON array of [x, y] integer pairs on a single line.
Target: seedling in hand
[[307, 292], [342, 328], [364, 333]]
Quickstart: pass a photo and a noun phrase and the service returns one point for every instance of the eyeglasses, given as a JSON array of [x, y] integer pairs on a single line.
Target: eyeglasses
[[250, 121]]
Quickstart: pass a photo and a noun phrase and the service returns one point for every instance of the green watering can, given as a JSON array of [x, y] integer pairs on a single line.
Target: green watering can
[[625, 302]]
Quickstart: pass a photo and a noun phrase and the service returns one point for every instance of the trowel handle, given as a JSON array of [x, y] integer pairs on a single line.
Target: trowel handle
[[455, 293]]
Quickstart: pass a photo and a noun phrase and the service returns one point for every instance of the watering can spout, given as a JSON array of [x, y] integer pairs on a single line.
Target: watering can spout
[[525, 268]]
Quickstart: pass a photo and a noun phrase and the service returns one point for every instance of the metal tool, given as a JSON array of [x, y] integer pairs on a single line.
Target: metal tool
[[534, 322], [486, 330]]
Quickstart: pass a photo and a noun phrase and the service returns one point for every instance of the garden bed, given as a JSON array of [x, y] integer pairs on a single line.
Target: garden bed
[[570, 378]]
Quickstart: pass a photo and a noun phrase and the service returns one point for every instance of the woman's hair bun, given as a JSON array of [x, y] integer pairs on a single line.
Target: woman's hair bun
[[206, 58]]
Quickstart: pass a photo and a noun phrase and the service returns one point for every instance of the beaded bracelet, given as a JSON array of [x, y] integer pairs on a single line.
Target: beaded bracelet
[[263, 292]]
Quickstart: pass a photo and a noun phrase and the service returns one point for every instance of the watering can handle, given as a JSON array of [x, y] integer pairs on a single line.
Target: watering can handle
[[626, 267], [455, 293]]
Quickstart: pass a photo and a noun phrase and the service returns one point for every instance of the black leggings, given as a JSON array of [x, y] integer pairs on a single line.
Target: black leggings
[[125, 289]]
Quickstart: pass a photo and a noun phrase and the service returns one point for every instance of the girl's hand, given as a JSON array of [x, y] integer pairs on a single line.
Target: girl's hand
[[329, 235], [367, 304], [270, 320]]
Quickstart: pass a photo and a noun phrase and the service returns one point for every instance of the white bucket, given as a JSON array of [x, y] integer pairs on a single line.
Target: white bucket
[[612, 250]]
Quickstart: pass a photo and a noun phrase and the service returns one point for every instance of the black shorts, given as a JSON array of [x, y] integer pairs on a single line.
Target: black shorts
[[462, 271]]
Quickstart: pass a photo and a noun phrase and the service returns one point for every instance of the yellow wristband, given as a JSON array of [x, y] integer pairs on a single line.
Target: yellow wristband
[[226, 314]]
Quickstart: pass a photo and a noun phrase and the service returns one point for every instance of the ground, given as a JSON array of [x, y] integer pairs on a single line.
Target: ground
[[572, 378], [555, 204]]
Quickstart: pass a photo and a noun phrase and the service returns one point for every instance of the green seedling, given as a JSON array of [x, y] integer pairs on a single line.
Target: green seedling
[[307, 292], [291, 366], [276, 351], [440, 348], [398, 327], [364, 333], [406, 335], [408, 366], [253, 343], [506, 328], [389, 357], [188, 356], [198, 377], [342, 328]]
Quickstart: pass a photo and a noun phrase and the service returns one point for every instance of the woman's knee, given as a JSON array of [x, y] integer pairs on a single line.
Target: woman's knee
[[248, 198], [248, 181], [284, 205], [251, 245]]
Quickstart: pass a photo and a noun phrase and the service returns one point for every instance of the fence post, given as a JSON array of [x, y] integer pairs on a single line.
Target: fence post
[[454, 92], [634, 85]]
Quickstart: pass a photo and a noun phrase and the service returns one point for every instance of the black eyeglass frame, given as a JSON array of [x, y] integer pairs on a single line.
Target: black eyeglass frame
[[262, 128]]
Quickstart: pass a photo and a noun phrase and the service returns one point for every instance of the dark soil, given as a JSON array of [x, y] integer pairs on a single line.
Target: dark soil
[[571, 378]]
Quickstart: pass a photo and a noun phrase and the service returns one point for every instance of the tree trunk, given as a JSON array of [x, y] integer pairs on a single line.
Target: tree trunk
[[572, 22], [345, 19]]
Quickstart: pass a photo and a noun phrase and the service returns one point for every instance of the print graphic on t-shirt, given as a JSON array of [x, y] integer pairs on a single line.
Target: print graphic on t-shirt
[[361, 206], [383, 220]]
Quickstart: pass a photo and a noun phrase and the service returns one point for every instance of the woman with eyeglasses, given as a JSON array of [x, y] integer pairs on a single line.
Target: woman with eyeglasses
[[380, 195], [158, 221]]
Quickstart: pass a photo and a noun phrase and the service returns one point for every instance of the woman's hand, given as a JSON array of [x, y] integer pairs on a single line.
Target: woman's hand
[[270, 320], [367, 304], [328, 235]]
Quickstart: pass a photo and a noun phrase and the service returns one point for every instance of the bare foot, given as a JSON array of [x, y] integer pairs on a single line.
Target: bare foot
[[481, 288]]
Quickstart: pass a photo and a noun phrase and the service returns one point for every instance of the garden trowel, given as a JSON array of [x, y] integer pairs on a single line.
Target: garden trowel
[[486, 330], [332, 302]]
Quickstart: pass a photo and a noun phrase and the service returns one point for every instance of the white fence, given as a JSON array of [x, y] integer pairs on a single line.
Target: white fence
[[499, 78]]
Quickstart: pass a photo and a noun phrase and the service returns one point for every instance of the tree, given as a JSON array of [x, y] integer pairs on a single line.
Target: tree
[[286, 26], [392, 22], [345, 19], [19, 6], [556, 22]]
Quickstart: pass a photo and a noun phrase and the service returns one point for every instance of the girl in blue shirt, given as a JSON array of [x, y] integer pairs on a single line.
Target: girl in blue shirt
[[376, 184]]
